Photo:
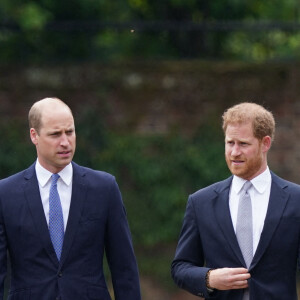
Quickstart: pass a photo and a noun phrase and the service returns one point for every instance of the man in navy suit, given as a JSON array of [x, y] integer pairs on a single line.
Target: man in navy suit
[[92, 214], [210, 260]]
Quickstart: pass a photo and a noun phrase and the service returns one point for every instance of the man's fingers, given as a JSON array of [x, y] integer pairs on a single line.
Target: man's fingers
[[229, 278], [243, 276], [236, 270]]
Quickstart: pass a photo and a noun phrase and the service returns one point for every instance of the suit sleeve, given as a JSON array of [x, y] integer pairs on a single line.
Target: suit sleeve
[[3, 253], [119, 250], [187, 268], [298, 256]]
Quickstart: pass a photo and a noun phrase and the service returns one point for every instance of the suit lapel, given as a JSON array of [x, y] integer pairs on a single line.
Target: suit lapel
[[277, 202], [33, 198], [77, 200], [223, 216]]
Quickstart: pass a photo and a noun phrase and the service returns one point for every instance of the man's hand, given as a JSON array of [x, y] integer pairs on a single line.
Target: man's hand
[[229, 278]]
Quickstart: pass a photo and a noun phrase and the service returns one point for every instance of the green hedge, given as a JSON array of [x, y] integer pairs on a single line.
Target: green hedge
[[155, 172]]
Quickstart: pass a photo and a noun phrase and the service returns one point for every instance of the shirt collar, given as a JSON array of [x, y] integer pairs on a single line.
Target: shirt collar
[[43, 175], [259, 182]]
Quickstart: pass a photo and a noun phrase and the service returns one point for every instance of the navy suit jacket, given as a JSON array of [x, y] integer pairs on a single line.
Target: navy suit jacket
[[97, 223], [208, 241]]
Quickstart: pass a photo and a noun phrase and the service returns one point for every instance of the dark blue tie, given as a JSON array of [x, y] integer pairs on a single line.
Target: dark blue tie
[[56, 220]]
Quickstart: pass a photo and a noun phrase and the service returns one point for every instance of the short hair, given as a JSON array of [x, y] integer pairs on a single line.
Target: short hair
[[262, 120], [35, 112]]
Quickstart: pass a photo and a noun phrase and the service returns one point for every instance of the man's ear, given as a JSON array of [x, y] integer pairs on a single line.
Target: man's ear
[[33, 136], [266, 143]]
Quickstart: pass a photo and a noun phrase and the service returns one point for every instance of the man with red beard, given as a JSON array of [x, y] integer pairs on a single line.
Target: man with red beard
[[240, 236], [58, 219]]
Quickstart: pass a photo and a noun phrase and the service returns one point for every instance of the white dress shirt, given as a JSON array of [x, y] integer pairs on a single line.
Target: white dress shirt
[[259, 194], [64, 188]]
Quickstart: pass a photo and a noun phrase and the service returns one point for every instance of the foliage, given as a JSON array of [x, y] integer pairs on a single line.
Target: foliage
[[36, 41], [155, 172], [16, 153], [276, 45]]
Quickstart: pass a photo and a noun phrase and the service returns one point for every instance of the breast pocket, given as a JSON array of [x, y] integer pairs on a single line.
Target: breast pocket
[[91, 218]]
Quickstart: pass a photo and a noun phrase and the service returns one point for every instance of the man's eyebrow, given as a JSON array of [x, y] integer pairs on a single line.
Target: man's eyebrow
[[51, 131]]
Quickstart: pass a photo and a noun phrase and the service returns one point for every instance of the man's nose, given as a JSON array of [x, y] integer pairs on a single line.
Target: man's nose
[[64, 140], [235, 150]]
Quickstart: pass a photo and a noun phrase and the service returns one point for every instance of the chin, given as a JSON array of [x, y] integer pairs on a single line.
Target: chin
[[238, 173]]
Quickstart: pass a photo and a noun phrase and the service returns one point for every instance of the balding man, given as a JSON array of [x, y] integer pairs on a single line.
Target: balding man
[[58, 218]]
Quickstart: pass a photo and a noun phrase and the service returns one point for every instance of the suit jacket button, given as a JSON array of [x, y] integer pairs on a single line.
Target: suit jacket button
[[59, 274]]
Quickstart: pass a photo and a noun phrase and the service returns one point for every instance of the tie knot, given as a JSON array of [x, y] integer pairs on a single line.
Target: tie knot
[[247, 186], [54, 178]]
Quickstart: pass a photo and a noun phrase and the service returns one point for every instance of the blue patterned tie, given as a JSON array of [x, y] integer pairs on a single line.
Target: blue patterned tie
[[56, 220]]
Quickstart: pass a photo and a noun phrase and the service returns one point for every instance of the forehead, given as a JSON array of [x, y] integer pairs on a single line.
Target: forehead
[[58, 118], [239, 131]]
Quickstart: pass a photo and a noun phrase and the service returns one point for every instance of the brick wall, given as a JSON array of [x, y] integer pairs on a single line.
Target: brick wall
[[157, 97]]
